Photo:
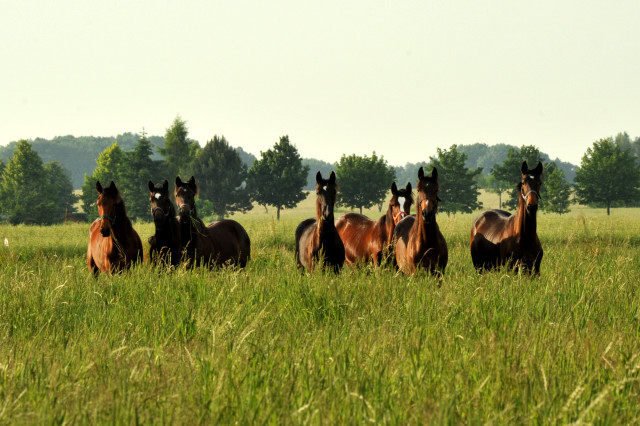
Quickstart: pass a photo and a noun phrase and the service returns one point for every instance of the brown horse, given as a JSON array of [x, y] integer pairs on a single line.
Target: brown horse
[[365, 239], [113, 243], [316, 238], [165, 243], [419, 242], [222, 242], [499, 238]]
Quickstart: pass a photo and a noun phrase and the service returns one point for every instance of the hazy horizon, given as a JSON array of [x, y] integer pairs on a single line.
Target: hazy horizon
[[337, 77]]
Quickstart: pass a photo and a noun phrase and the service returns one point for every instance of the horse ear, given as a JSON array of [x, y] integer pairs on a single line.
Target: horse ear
[[524, 168], [192, 184], [394, 188], [420, 174], [152, 187], [538, 169], [434, 174], [409, 188], [165, 185], [113, 186], [318, 177], [332, 178], [98, 187]]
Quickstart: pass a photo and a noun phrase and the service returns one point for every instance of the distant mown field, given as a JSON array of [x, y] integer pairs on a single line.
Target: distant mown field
[[271, 344]]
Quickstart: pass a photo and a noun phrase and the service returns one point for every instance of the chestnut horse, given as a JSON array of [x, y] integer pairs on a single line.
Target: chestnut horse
[[316, 238], [499, 238], [113, 243], [222, 242], [419, 242], [365, 239], [165, 243]]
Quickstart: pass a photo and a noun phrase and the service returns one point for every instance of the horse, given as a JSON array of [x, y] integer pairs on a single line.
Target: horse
[[499, 238], [165, 244], [223, 242], [365, 239], [418, 240], [113, 243], [319, 237]]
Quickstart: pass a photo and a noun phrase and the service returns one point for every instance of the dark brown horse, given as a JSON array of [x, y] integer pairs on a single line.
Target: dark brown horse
[[499, 238], [221, 242], [419, 242], [113, 243], [365, 239], [316, 238], [165, 243]]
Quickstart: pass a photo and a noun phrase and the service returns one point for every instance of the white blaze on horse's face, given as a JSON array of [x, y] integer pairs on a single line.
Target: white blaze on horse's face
[[401, 201], [324, 188], [158, 195]]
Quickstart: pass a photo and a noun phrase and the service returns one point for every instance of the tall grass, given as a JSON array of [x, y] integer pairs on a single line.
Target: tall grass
[[271, 344]]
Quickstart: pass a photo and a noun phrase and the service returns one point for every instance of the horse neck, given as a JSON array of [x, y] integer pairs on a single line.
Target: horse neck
[[424, 231], [386, 223], [524, 224], [325, 226], [122, 222]]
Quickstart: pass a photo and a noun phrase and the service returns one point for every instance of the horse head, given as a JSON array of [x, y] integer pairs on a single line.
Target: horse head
[[529, 186], [160, 201], [108, 200], [185, 194], [428, 187], [327, 192], [400, 203]]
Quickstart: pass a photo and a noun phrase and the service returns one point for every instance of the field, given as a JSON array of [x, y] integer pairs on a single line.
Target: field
[[272, 345]]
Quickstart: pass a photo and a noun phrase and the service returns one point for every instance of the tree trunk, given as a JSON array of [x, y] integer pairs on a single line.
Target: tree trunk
[[608, 208], [360, 209], [500, 200], [266, 210], [278, 215]]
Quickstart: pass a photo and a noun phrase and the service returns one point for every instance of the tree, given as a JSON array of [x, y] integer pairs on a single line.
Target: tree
[[178, 151], [27, 193], [557, 190], [510, 170], [458, 184], [60, 189], [277, 178], [221, 176], [364, 181], [138, 170], [607, 174], [111, 165], [495, 186]]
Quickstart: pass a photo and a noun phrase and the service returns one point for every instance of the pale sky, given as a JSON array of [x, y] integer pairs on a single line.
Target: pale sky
[[339, 77]]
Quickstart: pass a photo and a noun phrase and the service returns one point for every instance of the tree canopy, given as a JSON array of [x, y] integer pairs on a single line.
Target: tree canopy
[[364, 181], [179, 151], [458, 184], [33, 192], [277, 178], [607, 174], [557, 191], [221, 177]]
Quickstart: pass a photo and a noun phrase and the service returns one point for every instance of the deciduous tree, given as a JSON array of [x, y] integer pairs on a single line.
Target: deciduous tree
[[179, 151], [557, 191], [364, 181], [607, 174], [277, 178]]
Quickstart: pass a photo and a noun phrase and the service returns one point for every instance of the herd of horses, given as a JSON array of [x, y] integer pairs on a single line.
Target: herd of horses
[[409, 242]]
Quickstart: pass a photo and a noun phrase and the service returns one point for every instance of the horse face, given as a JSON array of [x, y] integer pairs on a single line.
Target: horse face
[[108, 198], [530, 186], [401, 201], [327, 190], [160, 201], [428, 187], [185, 194]]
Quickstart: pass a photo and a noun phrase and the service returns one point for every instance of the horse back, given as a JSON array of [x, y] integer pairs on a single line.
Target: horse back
[[231, 242], [303, 240], [362, 237]]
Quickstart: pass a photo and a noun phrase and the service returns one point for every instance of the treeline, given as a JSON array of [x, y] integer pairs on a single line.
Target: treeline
[[231, 180]]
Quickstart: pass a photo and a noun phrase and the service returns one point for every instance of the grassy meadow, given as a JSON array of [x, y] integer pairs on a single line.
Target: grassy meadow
[[272, 345]]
